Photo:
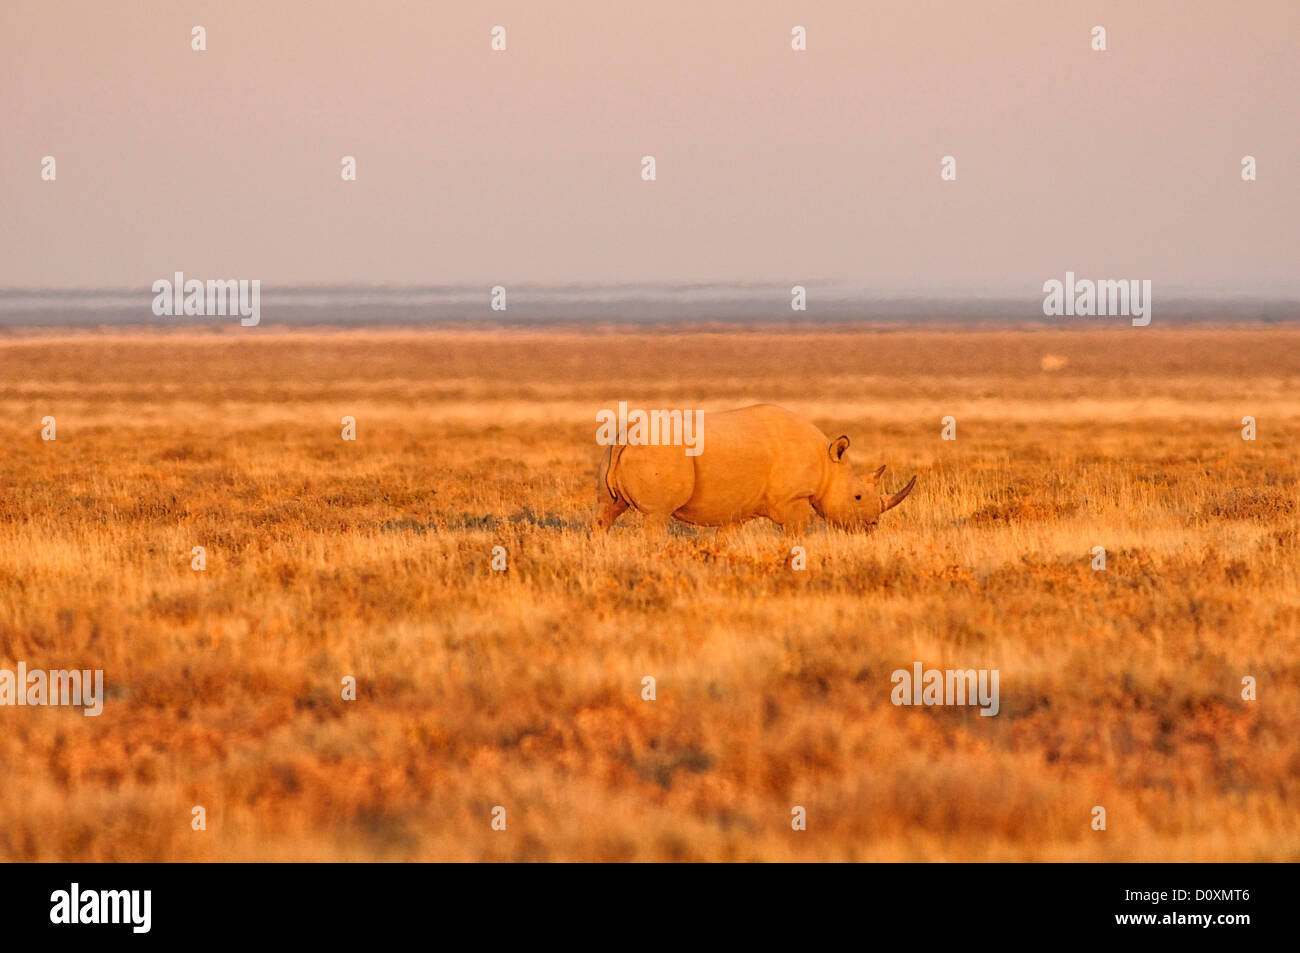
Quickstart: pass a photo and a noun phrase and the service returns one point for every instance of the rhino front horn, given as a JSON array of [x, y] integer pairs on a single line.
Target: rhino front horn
[[889, 502]]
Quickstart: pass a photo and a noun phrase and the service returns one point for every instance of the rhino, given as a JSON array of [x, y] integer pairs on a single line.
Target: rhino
[[755, 461]]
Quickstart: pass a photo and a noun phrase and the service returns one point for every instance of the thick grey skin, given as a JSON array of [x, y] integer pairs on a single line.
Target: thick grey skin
[[756, 461]]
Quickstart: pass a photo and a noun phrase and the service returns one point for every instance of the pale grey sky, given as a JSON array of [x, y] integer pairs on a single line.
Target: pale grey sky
[[773, 166]]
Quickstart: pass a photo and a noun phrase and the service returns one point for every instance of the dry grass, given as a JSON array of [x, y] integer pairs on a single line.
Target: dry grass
[[326, 559]]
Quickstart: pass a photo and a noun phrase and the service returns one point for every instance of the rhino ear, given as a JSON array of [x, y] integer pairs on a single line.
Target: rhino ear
[[875, 477], [838, 446]]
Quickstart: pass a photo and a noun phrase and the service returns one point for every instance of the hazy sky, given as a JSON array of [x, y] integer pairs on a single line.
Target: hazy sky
[[524, 166]]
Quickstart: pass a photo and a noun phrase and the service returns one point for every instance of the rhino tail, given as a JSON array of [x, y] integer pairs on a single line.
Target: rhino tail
[[607, 470]]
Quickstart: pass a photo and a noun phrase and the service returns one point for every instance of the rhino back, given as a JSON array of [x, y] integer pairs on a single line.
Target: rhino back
[[753, 457]]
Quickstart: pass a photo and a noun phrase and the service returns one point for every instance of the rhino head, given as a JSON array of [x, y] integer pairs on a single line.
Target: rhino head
[[849, 501]]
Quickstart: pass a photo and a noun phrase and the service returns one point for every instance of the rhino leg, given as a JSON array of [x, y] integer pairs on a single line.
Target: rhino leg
[[792, 517], [609, 505], [609, 510], [727, 532], [656, 524]]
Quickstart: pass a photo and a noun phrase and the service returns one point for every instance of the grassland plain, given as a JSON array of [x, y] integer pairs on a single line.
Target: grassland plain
[[328, 558]]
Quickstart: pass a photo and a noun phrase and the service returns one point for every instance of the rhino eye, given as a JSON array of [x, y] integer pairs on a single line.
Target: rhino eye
[[858, 497]]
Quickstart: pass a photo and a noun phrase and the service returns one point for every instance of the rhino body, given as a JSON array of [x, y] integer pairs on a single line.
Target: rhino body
[[756, 461]]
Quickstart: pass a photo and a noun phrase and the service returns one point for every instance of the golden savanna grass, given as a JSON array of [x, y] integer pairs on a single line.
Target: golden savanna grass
[[328, 558]]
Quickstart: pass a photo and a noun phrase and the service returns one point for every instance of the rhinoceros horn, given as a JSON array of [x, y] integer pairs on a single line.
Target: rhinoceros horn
[[889, 502]]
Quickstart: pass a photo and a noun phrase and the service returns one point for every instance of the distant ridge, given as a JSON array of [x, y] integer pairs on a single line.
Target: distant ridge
[[828, 302]]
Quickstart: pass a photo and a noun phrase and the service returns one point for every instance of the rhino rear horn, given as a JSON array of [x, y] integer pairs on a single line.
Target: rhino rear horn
[[889, 502]]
